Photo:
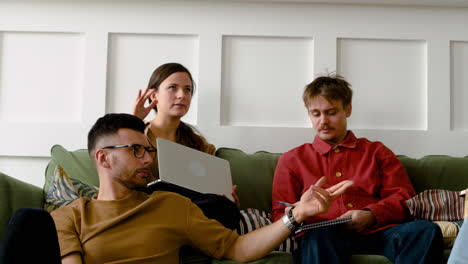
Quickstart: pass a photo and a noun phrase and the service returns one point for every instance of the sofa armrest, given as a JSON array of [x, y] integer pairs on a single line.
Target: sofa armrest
[[15, 194]]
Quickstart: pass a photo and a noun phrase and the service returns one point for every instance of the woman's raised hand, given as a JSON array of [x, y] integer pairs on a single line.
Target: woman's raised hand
[[139, 109]]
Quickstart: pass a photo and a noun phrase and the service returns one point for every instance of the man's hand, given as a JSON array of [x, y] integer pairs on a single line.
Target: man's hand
[[361, 219], [139, 109], [317, 200]]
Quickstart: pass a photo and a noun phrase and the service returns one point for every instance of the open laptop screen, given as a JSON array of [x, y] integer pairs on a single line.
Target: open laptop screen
[[193, 169]]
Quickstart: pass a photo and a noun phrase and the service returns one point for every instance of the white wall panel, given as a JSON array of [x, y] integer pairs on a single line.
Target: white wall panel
[[42, 90], [388, 78], [134, 57], [459, 84], [41, 76], [250, 60], [263, 80]]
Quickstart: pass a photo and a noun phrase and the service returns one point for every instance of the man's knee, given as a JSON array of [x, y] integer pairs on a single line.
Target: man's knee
[[27, 219], [424, 227], [417, 226], [324, 245], [424, 233], [321, 237], [26, 214]]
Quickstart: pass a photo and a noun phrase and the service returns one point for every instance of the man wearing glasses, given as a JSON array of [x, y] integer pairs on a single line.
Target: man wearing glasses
[[124, 225]]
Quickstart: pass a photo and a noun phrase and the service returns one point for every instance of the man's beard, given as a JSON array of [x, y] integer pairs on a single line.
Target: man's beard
[[130, 182]]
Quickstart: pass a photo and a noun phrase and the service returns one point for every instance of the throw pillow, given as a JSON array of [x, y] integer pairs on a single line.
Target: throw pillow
[[465, 215], [77, 164], [252, 219], [64, 190], [437, 205], [449, 232]]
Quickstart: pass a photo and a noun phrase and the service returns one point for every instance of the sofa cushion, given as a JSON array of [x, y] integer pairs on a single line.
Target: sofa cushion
[[449, 231], [274, 257], [253, 173], [16, 194], [437, 172], [64, 190], [76, 164], [369, 259]]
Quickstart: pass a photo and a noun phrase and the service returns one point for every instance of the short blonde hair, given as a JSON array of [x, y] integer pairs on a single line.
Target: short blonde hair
[[331, 86]]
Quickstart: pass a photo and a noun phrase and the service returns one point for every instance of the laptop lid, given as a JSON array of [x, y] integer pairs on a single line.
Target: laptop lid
[[193, 169]]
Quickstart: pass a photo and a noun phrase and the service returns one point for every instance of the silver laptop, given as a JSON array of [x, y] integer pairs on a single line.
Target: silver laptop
[[193, 169]]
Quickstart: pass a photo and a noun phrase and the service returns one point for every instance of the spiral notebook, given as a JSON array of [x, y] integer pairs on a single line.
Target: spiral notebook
[[324, 223]]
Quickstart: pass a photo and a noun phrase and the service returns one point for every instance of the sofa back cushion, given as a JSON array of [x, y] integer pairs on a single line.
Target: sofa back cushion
[[253, 173], [437, 172], [15, 194]]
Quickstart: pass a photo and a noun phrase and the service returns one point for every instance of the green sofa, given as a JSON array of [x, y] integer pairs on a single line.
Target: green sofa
[[253, 173]]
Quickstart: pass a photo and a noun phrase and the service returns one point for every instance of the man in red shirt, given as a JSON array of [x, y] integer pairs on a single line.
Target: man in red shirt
[[376, 201]]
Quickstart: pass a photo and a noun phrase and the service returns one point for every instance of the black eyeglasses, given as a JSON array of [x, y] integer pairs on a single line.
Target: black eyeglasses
[[138, 150]]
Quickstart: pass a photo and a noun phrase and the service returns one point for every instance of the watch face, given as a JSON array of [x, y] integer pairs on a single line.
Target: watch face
[[291, 216]]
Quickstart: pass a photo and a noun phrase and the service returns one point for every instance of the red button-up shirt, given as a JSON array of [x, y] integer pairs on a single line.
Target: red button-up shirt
[[381, 183]]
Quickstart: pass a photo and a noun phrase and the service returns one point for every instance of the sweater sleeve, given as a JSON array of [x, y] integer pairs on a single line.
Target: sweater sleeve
[[69, 240], [395, 189], [220, 238], [286, 186]]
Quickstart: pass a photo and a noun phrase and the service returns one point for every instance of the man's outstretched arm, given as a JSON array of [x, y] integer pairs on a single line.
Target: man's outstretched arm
[[259, 243]]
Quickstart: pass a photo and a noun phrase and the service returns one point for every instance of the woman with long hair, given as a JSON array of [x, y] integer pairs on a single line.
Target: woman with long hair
[[170, 90]]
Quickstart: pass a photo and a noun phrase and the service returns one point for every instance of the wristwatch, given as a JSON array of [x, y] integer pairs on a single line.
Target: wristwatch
[[290, 222]]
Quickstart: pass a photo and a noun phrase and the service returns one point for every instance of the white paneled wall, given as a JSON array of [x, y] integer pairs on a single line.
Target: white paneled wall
[[33, 73], [459, 84], [259, 75], [65, 63], [391, 95], [139, 55]]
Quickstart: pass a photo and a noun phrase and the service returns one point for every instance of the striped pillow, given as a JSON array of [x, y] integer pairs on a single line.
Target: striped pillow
[[437, 205], [252, 219]]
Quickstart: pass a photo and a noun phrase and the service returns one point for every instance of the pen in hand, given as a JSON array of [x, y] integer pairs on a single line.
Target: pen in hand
[[285, 204]]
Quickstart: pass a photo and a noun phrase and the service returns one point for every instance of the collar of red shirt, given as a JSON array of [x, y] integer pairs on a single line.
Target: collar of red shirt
[[324, 147]]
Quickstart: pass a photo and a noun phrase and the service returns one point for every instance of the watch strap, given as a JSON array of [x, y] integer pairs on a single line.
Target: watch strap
[[288, 223], [292, 219]]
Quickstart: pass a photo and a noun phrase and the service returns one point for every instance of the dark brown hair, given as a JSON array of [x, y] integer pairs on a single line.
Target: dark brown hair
[[110, 125], [162, 72], [185, 134], [331, 86]]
